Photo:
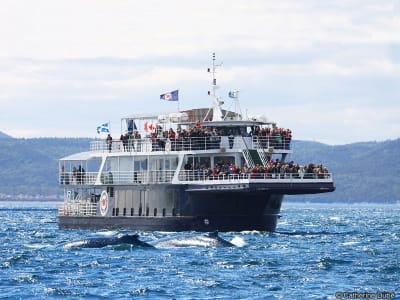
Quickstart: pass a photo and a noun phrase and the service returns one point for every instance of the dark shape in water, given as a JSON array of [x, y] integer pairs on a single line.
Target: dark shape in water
[[211, 239], [108, 241]]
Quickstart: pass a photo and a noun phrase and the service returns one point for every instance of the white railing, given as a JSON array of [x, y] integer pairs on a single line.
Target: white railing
[[191, 143], [166, 176], [123, 177], [140, 177], [77, 208], [273, 142], [198, 175], [77, 178]]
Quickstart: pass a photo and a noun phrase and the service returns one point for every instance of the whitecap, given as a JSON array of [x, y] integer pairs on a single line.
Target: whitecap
[[106, 233], [238, 241], [350, 243]]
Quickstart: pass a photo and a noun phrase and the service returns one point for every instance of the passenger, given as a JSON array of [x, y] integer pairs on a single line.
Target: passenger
[[109, 142], [125, 139], [171, 134], [74, 175], [79, 174], [188, 168], [83, 176], [64, 178], [231, 139], [137, 140], [121, 138], [131, 139]]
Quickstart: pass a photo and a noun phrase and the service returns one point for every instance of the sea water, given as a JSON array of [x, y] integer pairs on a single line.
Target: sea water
[[330, 251]]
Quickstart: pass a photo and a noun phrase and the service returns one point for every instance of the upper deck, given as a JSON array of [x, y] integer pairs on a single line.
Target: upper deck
[[273, 144]]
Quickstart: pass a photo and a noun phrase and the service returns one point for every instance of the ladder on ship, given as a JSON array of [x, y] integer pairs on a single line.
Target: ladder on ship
[[261, 153], [254, 157]]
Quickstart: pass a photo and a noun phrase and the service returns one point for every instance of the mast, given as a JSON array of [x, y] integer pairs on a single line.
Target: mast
[[217, 102]]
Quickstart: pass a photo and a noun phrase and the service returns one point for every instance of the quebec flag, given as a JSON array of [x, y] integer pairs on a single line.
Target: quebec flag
[[103, 128], [172, 96], [233, 94]]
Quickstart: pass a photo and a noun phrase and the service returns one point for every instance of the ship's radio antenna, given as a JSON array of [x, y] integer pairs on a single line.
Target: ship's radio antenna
[[217, 102], [214, 71]]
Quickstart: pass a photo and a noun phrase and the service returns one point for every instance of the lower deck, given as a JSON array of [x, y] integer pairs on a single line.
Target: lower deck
[[229, 205], [172, 208]]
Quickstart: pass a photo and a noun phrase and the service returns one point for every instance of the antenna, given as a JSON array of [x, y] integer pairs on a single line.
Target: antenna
[[214, 71], [217, 102]]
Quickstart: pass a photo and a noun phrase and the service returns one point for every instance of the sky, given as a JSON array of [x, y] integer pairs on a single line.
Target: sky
[[328, 70]]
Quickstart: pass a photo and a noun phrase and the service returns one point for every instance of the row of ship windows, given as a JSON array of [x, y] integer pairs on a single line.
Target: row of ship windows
[[116, 212]]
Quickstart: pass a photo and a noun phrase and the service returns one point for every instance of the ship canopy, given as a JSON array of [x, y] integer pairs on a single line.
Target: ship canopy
[[200, 117]]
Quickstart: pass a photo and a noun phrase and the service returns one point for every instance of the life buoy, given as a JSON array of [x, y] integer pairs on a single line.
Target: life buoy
[[104, 203]]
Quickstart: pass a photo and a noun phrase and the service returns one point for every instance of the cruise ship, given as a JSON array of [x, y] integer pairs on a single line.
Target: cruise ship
[[201, 169]]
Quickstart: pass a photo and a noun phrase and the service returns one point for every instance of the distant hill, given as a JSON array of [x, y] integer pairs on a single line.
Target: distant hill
[[5, 136], [30, 166], [367, 171]]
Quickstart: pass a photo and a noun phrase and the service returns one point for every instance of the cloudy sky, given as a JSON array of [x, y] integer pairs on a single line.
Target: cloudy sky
[[328, 70]]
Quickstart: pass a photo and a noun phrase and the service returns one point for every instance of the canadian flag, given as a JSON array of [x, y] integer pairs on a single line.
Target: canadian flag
[[149, 127]]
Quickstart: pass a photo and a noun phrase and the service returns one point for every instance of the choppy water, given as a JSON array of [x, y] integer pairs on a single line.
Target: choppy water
[[318, 251]]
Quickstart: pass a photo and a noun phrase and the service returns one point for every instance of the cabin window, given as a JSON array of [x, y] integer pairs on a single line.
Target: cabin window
[[111, 164], [191, 162], [110, 191], [157, 164], [205, 161], [140, 164], [125, 164], [218, 160]]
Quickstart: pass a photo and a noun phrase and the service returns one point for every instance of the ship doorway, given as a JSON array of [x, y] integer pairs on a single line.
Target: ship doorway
[[157, 167], [140, 170]]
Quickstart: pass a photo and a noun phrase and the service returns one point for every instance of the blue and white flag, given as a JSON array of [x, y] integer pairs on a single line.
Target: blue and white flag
[[233, 94], [103, 128], [172, 96]]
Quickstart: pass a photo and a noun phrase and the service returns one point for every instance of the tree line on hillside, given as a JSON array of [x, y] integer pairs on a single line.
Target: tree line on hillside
[[368, 171]]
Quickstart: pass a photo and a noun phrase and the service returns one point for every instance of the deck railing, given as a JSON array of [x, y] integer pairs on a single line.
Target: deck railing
[[77, 208], [77, 177], [191, 143], [204, 176], [123, 177], [166, 176]]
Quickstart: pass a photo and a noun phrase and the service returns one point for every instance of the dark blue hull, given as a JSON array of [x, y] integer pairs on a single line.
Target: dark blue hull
[[230, 207]]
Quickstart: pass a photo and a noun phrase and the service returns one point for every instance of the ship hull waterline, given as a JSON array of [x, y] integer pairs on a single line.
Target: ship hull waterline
[[198, 211], [192, 208]]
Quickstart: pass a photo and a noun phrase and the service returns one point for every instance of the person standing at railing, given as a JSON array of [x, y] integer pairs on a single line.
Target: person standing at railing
[[131, 139], [230, 138], [124, 141], [109, 142], [64, 179], [136, 142], [74, 175], [81, 175]]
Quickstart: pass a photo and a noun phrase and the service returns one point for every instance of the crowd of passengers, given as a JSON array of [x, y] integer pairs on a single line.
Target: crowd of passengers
[[278, 138], [275, 169], [199, 138]]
